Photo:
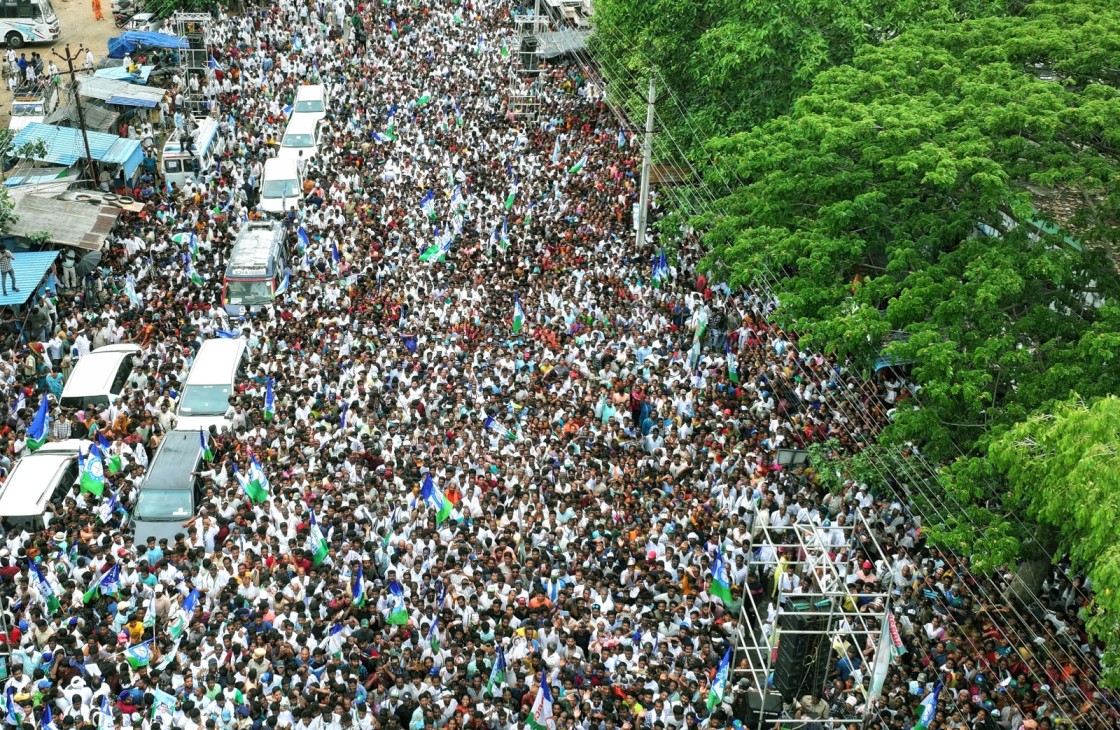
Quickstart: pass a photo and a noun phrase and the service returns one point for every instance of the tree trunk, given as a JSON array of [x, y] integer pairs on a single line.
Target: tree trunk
[[1037, 555]]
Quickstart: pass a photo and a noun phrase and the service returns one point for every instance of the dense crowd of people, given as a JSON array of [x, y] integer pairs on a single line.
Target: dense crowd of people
[[524, 451]]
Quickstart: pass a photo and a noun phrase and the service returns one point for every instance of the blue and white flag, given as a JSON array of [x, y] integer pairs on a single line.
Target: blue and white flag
[[719, 684], [428, 204]]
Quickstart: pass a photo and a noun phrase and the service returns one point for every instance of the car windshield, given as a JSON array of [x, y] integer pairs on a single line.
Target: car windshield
[[309, 105], [204, 400], [240, 291], [164, 505], [80, 401], [280, 189], [298, 140]]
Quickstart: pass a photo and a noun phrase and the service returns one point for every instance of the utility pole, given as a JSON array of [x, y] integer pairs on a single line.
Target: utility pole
[[76, 93], [647, 155]]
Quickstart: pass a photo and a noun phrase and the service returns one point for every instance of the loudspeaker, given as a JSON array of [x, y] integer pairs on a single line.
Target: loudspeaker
[[760, 711], [529, 45], [803, 658]]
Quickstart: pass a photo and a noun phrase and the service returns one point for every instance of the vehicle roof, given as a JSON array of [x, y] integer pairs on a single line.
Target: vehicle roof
[[216, 361], [204, 134], [310, 91], [276, 168], [252, 253], [94, 372], [33, 478], [301, 124], [177, 456]]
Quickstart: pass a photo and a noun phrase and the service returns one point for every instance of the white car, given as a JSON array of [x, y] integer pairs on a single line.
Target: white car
[[310, 102], [100, 376], [281, 186], [300, 142], [38, 482]]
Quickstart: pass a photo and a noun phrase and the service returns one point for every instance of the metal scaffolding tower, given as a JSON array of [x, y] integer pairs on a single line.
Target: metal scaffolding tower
[[825, 617], [524, 88], [194, 59]]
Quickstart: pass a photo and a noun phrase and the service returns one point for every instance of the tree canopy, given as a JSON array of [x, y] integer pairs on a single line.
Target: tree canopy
[[736, 64]]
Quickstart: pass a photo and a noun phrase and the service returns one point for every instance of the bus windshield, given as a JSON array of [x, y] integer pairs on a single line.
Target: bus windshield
[[242, 291], [45, 10], [27, 110]]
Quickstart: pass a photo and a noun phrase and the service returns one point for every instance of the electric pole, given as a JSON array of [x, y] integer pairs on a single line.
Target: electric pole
[[647, 155], [76, 93]]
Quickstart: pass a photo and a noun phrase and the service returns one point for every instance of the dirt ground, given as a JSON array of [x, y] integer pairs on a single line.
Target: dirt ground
[[78, 28]]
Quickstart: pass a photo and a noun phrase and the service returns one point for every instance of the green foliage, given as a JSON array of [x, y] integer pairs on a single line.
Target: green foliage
[[736, 64], [9, 151], [192, 6], [863, 205], [833, 466], [1065, 468]]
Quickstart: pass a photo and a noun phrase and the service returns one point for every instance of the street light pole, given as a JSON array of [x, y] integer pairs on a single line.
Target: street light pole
[[91, 166]]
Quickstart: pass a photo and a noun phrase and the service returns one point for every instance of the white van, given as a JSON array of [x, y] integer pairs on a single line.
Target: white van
[[180, 165], [301, 140], [310, 102], [100, 376], [281, 186], [210, 382], [34, 490]]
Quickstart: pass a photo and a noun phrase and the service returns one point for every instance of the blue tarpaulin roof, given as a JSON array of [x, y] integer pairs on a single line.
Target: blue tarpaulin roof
[[128, 41], [120, 73], [29, 269], [65, 147]]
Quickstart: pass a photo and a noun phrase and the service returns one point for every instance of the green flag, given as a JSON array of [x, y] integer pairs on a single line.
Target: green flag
[[318, 543], [92, 470], [518, 315], [432, 253], [139, 655]]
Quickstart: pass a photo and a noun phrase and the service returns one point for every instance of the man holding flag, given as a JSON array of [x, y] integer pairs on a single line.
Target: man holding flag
[[434, 498], [540, 716]]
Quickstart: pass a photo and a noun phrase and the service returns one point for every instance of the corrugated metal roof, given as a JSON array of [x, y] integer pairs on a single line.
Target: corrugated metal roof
[[29, 269], [129, 101], [84, 224], [120, 152], [65, 146], [96, 87], [15, 182], [97, 118]]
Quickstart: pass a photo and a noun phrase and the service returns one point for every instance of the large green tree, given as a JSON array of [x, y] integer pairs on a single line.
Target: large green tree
[[1064, 469], [909, 198], [732, 64]]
